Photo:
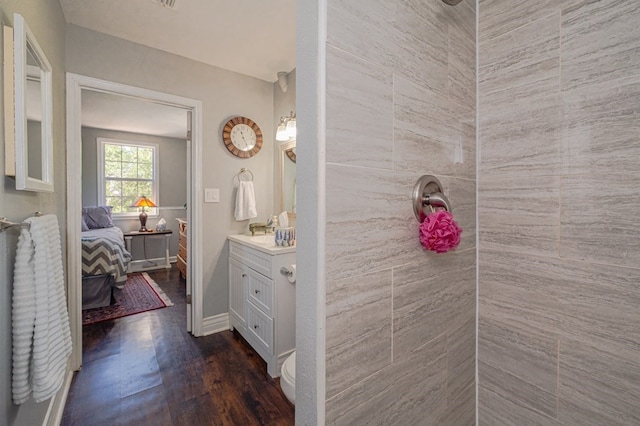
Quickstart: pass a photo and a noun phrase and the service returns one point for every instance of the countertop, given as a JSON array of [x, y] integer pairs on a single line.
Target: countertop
[[262, 242]]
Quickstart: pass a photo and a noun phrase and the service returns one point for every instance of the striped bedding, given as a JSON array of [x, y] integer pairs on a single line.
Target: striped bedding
[[103, 252]]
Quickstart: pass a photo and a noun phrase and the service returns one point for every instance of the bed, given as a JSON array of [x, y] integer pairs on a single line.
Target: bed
[[104, 259]]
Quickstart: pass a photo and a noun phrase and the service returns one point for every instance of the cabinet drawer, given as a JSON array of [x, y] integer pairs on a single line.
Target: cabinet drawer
[[182, 266], [255, 259], [260, 327], [261, 292], [182, 251]]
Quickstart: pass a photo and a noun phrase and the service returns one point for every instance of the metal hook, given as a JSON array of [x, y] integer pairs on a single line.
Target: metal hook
[[428, 192]]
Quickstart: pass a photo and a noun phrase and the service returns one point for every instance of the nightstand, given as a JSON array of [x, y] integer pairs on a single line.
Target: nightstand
[[146, 264]]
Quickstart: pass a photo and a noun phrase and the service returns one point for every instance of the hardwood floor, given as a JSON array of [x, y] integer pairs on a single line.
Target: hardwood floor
[[147, 370]]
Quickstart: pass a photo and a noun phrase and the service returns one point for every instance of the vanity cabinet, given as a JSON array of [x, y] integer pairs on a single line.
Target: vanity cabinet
[[262, 300]]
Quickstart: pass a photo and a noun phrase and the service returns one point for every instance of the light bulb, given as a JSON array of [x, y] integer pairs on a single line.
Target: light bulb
[[281, 132], [291, 128]]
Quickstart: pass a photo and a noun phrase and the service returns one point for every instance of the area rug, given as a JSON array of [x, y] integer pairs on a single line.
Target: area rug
[[140, 294]]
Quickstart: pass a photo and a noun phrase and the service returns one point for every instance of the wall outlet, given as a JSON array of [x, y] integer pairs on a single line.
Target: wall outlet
[[211, 195]]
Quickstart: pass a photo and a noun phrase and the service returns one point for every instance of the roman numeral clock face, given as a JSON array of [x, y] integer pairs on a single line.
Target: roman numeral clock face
[[242, 137]]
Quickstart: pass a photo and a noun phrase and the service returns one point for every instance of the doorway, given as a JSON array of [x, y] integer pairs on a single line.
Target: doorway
[[76, 85]]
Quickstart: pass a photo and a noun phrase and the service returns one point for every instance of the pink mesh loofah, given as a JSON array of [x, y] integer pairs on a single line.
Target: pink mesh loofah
[[439, 232]]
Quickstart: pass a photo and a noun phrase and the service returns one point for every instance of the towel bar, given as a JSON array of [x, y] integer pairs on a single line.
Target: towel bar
[[6, 223]]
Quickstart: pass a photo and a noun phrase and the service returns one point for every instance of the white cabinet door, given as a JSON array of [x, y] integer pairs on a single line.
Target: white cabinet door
[[237, 294]]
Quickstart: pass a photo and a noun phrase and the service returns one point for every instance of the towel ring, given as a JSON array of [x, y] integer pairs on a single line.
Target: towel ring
[[428, 192], [243, 170]]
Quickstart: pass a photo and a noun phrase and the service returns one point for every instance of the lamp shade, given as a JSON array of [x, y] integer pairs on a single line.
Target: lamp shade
[[143, 202]]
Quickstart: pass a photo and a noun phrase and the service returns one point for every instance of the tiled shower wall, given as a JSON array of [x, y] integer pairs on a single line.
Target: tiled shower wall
[[400, 324], [559, 172]]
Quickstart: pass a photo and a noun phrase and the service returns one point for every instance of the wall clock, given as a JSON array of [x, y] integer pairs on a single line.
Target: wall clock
[[242, 137]]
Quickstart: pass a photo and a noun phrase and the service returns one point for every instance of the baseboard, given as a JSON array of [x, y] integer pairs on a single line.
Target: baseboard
[[57, 403], [215, 324], [142, 265]]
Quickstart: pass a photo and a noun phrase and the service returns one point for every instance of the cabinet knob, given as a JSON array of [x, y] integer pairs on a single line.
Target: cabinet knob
[[256, 326], [244, 275], [256, 291]]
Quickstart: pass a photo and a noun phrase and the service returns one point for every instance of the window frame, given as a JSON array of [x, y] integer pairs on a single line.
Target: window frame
[[155, 197]]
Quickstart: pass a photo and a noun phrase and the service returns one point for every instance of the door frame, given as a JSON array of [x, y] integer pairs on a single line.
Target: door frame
[[75, 84]]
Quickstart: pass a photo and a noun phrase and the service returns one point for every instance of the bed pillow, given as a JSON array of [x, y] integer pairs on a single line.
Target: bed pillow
[[97, 217], [85, 227]]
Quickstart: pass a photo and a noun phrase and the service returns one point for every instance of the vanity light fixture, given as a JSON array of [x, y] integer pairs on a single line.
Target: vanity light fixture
[[287, 128]]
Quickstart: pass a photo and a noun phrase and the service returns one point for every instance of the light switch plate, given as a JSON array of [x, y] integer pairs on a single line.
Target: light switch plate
[[211, 195]]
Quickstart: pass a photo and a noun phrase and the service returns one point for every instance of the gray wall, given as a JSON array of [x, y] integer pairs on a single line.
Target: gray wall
[[172, 183], [224, 94], [400, 322], [559, 335], [47, 23]]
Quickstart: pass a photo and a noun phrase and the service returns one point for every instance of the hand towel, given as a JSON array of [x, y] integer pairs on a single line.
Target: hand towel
[[23, 317], [283, 220], [41, 330], [245, 201]]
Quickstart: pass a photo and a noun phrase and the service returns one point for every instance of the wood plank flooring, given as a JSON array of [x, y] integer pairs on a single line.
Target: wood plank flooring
[[147, 370]]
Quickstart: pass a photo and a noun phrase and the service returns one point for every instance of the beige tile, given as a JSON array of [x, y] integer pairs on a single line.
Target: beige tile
[[356, 26], [527, 55], [569, 299], [421, 52], [528, 356], [432, 297], [461, 410], [598, 220], [358, 328], [520, 136], [461, 359], [370, 222], [499, 408], [519, 214], [600, 42], [498, 17], [429, 135], [409, 392], [462, 196], [462, 64], [597, 386], [359, 111], [601, 128], [408, 36]]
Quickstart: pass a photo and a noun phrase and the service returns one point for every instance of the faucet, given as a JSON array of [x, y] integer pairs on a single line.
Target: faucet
[[272, 224]]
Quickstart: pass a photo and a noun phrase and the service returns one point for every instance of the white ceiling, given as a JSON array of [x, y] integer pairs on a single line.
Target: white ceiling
[[117, 112], [251, 37]]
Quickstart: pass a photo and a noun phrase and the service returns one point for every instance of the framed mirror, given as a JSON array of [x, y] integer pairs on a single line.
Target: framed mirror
[[32, 111], [288, 177]]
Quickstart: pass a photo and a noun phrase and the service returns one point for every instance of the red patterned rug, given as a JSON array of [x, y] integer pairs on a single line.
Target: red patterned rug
[[140, 294]]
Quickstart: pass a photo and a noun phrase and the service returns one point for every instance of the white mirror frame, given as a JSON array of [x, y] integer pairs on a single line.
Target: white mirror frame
[[23, 40], [283, 153]]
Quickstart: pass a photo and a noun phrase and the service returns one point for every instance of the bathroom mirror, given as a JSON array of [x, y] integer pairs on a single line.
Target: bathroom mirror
[[32, 111], [288, 177]]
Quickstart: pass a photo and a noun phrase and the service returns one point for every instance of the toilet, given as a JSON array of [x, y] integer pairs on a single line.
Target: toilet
[[288, 377]]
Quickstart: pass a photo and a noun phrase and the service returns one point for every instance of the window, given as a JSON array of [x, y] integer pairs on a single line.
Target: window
[[126, 171]]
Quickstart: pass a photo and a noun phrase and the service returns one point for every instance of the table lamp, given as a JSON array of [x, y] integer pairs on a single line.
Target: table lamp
[[143, 202]]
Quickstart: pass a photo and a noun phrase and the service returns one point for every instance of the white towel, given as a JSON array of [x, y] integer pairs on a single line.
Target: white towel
[[245, 201], [41, 334]]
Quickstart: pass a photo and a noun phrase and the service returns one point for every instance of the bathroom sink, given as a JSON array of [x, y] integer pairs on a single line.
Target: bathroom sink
[[268, 239]]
